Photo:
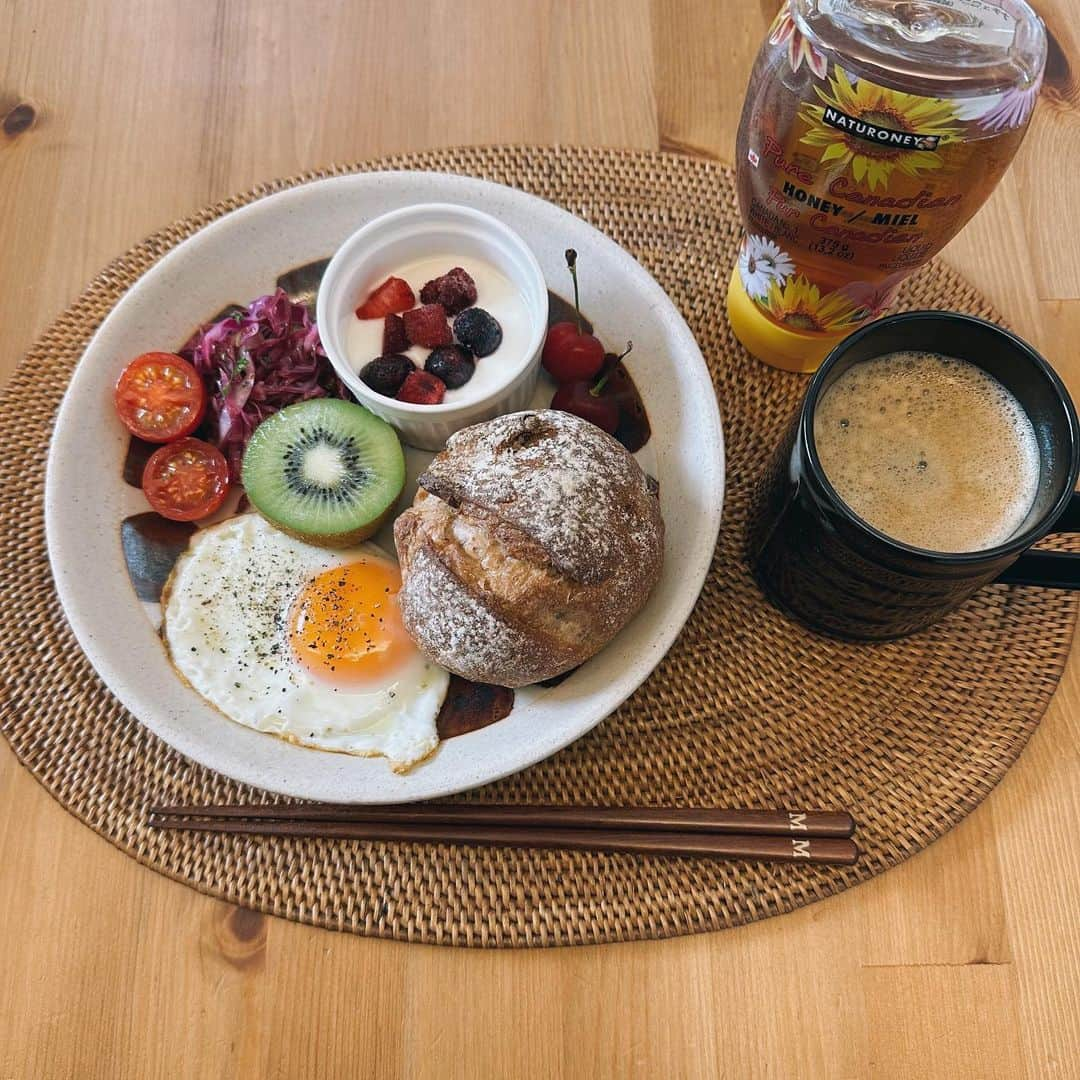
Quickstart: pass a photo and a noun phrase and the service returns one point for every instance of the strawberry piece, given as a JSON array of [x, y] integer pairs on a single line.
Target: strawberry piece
[[427, 326], [422, 388], [393, 296], [393, 336], [455, 290]]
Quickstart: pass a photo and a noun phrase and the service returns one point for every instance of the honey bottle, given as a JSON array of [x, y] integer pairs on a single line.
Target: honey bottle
[[871, 133]]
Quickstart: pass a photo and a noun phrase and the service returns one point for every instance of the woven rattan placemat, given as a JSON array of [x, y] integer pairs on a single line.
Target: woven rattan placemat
[[746, 710]]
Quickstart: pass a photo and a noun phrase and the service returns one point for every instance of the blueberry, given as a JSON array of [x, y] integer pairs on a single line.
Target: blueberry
[[451, 363], [478, 330], [386, 374]]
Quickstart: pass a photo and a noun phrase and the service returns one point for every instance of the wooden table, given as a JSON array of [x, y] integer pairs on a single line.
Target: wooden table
[[122, 115]]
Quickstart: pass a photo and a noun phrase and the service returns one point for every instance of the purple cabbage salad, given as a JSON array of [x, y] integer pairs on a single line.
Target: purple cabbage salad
[[255, 362]]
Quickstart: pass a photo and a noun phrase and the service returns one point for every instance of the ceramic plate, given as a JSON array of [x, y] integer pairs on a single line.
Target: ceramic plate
[[240, 256]]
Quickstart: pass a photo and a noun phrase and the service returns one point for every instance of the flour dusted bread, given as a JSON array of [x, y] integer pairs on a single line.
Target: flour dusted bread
[[533, 539]]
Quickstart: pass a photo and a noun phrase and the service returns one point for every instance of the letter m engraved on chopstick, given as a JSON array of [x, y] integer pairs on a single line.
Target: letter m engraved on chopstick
[[796, 822], [800, 849]]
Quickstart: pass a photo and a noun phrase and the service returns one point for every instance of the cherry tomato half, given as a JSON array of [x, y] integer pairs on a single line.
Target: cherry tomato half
[[160, 397], [186, 480]]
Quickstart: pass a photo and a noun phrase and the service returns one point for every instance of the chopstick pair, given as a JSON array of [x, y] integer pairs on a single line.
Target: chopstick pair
[[812, 836]]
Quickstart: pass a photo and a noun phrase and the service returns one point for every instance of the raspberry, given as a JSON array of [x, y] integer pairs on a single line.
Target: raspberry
[[453, 364], [427, 326], [422, 388], [455, 290], [393, 336], [478, 330], [392, 296], [386, 374]]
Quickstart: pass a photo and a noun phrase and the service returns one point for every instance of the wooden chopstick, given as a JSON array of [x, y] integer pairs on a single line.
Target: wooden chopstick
[[717, 845], [798, 823]]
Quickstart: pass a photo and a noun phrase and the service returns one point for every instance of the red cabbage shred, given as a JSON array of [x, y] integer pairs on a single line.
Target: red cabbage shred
[[256, 362]]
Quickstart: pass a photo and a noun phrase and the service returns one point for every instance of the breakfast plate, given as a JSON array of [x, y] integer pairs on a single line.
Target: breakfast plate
[[243, 255]]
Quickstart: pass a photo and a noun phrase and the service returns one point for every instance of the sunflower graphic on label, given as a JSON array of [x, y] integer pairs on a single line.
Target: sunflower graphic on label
[[872, 131], [800, 305]]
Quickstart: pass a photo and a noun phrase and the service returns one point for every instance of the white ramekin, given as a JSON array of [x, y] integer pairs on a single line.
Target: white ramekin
[[374, 252]]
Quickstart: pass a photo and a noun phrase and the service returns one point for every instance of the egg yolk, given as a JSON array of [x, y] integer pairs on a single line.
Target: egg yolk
[[346, 624]]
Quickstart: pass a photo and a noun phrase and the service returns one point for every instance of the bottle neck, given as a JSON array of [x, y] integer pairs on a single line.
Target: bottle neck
[[934, 48]]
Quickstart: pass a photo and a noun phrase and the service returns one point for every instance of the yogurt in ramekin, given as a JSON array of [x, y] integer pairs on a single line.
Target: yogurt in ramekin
[[420, 243], [495, 293]]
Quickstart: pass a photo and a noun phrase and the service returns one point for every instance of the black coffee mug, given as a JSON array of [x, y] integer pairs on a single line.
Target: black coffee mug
[[823, 565]]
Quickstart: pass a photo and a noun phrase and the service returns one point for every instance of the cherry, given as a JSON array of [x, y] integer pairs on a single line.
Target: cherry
[[577, 397], [570, 353], [588, 401]]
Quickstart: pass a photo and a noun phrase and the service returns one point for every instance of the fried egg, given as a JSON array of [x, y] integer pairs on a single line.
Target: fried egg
[[301, 642]]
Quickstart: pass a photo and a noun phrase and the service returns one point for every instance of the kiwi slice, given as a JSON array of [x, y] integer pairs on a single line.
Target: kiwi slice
[[325, 471]]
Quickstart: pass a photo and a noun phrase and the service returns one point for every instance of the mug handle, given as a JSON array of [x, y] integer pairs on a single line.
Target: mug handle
[[1050, 569]]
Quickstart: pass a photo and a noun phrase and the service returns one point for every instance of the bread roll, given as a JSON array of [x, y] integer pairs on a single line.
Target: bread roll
[[532, 540]]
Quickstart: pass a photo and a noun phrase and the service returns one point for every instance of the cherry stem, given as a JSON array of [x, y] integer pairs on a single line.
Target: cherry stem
[[571, 262], [595, 391]]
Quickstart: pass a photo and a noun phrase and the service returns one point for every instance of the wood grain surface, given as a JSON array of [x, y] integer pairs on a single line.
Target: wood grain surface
[[121, 115]]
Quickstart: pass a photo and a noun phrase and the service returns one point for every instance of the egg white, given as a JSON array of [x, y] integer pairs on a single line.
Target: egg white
[[226, 626]]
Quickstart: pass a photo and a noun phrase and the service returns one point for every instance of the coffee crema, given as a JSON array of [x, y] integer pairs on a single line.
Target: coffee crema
[[929, 450]]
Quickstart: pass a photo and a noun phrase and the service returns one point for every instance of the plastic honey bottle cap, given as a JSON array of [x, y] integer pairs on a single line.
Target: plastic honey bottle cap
[[782, 348]]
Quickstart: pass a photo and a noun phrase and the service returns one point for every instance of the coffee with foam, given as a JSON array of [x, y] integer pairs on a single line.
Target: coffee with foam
[[929, 450]]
